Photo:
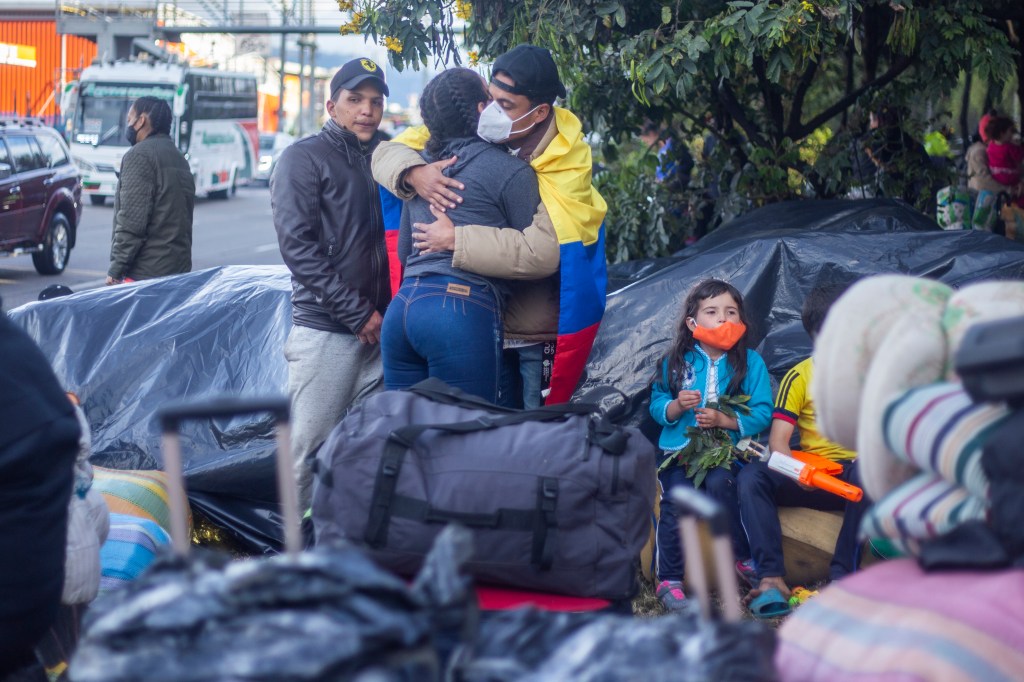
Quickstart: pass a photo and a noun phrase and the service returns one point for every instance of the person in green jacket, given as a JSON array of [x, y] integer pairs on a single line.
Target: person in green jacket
[[155, 197]]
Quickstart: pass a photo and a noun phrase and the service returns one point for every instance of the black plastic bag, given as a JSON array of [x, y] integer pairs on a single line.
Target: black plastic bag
[[324, 615], [537, 646]]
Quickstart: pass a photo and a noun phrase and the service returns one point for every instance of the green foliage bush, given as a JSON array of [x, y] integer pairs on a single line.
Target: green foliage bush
[[782, 85]]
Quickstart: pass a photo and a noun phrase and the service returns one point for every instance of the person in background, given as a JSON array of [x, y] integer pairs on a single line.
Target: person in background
[[154, 200], [327, 214], [899, 159], [38, 442], [979, 177], [1004, 155], [708, 361], [762, 492], [675, 163]]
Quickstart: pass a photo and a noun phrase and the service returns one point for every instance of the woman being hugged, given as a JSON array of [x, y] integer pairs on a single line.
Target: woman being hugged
[[709, 391], [445, 322]]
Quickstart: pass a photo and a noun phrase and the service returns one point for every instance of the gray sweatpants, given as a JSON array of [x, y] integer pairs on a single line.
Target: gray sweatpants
[[327, 373]]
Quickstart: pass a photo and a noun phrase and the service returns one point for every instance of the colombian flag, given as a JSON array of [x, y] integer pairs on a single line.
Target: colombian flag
[[577, 211]]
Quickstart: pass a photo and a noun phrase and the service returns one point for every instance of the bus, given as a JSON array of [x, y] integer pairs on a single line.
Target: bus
[[215, 122]]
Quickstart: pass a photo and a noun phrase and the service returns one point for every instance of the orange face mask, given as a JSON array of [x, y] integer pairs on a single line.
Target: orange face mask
[[723, 337]]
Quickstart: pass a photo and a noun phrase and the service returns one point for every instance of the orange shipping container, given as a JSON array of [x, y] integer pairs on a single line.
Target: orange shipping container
[[35, 90]]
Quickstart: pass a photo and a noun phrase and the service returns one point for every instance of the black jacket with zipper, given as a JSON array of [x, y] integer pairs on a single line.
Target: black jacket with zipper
[[330, 228]]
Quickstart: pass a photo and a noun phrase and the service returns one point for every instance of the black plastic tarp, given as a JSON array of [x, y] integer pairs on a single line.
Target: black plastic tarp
[[775, 256], [128, 350]]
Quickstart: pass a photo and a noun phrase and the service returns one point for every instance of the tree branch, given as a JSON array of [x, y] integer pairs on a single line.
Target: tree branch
[[898, 67], [732, 106], [722, 135], [772, 100], [796, 110]]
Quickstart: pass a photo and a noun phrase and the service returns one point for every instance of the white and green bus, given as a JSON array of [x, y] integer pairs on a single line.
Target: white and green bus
[[215, 122]]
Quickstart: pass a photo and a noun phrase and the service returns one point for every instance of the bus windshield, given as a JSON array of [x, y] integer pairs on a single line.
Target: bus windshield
[[103, 108]]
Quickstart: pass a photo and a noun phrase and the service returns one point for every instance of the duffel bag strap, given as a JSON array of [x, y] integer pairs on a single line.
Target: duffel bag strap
[[384, 493], [607, 436], [440, 392], [546, 528], [542, 520]]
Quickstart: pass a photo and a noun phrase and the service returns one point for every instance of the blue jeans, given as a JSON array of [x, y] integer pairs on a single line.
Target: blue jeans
[[763, 491], [444, 327], [720, 485], [521, 376]]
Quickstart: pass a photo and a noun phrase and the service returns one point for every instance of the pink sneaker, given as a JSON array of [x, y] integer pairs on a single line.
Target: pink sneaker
[[670, 594], [746, 571]]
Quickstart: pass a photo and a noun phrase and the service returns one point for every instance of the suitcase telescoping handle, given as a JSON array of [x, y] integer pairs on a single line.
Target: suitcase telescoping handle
[[691, 506], [171, 417]]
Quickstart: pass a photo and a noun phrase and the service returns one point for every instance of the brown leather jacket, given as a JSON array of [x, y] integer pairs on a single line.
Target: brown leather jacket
[[330, 227]]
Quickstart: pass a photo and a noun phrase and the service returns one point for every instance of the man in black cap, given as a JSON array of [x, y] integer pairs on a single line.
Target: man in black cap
[[327, 214], [522, 116]]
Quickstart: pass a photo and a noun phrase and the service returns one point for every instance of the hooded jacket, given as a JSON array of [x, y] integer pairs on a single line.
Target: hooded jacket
[[329, 224]]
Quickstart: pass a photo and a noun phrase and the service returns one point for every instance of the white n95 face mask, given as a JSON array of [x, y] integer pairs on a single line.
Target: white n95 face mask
[[496, 126]]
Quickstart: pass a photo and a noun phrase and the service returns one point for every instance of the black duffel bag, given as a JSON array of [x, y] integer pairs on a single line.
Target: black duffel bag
[[558, 498]]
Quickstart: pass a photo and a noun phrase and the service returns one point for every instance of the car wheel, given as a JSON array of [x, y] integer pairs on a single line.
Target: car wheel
[[97, 199], [56, 247]]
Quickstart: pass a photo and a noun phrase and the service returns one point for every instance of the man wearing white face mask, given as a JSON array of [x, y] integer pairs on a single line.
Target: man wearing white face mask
[[522, 117]]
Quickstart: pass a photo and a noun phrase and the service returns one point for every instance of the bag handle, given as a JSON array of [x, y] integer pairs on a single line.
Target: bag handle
[[407, 435], [171, 417], [437, 390]]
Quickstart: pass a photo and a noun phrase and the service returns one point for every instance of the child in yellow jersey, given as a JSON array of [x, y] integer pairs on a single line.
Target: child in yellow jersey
[[762, 492]]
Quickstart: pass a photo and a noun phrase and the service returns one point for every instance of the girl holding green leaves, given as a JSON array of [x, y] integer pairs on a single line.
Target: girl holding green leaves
[[709, 392]]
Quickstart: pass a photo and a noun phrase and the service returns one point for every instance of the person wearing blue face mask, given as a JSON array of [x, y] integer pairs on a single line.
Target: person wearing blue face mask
[[523, 120]]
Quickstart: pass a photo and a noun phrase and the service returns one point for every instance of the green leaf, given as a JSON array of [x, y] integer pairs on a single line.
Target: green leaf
[[751, 21], [699, 477], [666, 14]]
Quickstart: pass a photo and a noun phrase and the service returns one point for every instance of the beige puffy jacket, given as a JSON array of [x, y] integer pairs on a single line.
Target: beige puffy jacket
[[530, 257]]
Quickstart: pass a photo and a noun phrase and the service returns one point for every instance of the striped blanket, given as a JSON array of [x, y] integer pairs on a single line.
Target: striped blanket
[[136, 493], [131, 547], [939, 430], [894, 622]]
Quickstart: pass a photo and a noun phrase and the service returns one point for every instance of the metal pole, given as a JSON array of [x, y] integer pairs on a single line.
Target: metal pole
[[314, 104], [302, 86], [280, 99]]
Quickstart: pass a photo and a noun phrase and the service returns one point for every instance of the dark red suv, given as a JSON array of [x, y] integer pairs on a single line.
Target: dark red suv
[[40, 195]]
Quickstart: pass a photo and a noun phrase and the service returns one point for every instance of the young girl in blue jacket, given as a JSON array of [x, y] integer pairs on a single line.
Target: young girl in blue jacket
[[708, 360]]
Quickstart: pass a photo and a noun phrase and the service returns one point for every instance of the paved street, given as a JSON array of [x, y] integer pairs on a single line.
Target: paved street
[[238, 231]]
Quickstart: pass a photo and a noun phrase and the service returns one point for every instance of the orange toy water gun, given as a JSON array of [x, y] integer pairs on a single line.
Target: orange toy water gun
[[805, 468]]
